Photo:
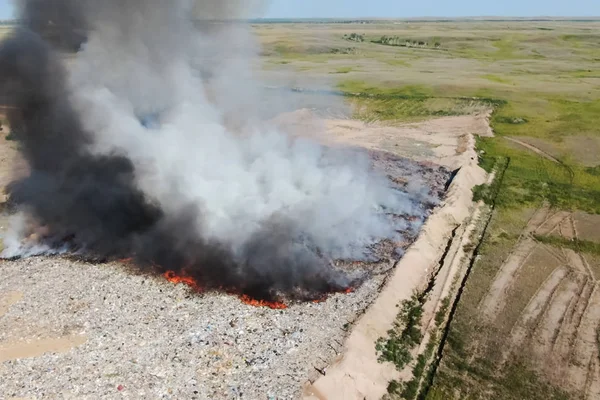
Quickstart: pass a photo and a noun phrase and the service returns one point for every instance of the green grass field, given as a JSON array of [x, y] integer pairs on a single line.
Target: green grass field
[[541, 78]]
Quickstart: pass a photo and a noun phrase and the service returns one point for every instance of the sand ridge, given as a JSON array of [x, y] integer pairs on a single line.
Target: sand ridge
[[357, 373]]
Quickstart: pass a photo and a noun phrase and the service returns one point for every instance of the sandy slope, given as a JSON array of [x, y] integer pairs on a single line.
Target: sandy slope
[[443, 141], [357, 374]]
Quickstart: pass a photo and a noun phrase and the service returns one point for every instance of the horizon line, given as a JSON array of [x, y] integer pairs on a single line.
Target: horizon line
[[370, 18]]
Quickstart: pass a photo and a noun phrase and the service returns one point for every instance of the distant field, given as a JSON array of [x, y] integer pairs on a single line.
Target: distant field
[[4, 30], [542, 79]]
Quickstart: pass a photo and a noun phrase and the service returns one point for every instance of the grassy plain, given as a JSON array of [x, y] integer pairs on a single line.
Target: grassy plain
[[542, 79]]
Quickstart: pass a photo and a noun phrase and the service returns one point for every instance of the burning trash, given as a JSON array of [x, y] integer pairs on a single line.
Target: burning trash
[[257, 213]]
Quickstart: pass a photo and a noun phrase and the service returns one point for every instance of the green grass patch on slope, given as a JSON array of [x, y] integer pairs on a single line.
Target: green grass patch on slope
[[505, 48], [404, 336], [395, 62], [408, 102], [411, 388], [411, 109], [367, 89], [585, 73], [582, 246], [547, 117], [531, 178], [343, 70], [488, 193], [496, 79]]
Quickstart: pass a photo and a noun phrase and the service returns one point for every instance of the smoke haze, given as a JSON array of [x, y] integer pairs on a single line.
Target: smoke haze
[[152, 146]]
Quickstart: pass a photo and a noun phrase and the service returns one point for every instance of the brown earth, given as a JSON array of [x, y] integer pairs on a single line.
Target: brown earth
[[547, 298]]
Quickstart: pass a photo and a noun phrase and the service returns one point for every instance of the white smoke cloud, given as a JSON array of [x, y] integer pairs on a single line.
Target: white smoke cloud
[[178, 98], [147, 59]]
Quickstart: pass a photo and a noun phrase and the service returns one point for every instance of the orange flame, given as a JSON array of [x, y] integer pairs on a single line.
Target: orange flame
[[275, 305], [181, 277], [172, 277], [176, 278], [324, 298]]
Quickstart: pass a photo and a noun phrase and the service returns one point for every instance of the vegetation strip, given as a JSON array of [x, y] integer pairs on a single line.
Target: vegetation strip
[[503, 165], [404, 336], [578, 245], [397, 347]]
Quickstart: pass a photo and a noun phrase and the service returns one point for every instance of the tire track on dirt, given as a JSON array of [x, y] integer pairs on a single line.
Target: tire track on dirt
[[536, 307], [533, 148], [497, 295], [545, 155], [561, 344], [547, 331], [552, 223], [586, 348]]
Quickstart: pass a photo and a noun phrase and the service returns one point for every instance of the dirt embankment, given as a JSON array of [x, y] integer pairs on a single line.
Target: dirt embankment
[[357, 373], [444, 141]]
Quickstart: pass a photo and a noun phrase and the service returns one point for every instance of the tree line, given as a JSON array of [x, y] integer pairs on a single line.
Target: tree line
[[355, 37], [398, 41], [392, 41]]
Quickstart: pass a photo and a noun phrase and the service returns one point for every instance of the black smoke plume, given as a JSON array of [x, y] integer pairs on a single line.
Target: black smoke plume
[[89, 188], [92, 201], [60, 22]]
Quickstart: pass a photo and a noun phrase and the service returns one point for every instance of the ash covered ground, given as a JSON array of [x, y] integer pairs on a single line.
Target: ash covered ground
[[82, 330]]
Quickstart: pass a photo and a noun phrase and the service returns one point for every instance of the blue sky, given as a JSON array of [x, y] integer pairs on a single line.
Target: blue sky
[[419, 8], [437, 8], [5, 9]]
